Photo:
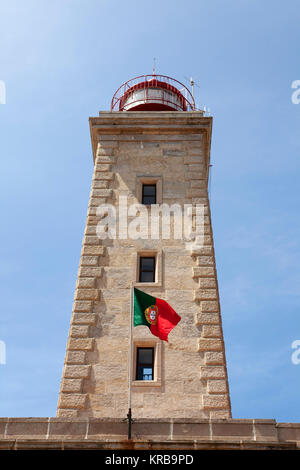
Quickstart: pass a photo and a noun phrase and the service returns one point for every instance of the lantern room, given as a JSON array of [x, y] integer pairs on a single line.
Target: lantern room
[[153, 93]]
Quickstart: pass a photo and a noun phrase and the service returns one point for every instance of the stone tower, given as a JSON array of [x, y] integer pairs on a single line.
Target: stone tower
[[153, 147]]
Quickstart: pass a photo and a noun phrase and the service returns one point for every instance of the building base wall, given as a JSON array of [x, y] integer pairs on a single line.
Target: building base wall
[[147, 434]]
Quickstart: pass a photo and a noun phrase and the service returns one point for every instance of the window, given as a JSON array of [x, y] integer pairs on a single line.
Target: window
[[149, 194], [145, 364], [149, 189], [147, 269]]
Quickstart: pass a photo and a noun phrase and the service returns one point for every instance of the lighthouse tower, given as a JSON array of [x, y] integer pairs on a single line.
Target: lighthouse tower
[[151, 151]]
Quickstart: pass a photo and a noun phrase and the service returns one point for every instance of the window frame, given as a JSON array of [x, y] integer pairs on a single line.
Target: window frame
[[139, 386], [138, 364], [149, 180], [158, 255], [141, 271], [145, 185]]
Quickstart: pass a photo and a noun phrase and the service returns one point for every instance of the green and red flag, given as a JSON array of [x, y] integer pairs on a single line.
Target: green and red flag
[[155, 313]]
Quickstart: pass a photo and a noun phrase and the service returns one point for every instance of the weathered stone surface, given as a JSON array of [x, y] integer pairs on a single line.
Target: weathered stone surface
[[211, 331], [77, 371], [71, 385], [192, 175], [87, 294], [118, 278], [86, 271], [212, 372], [69, 431], [197, 168], [84, 344], [66, 413], [82, 306], [75, 357], [132, 149], [74, 429], [96, 201], [100, 184], [72, 400], [77, 331], [107, 143], [84, 318], [215, 401], [209, 306], [193, 159], [216, 386], [205, 260], [101, 175], [105, 151], [204, 272], [29, 427], [93, 250], [85, 282], [92, 220], [210, 344], [205, 294], [102, 167], [89, 260], [198, 184], [102, 192], [207, 318], [195, 192], [209, 283], [214, 358], [173, 153], [90, 240]]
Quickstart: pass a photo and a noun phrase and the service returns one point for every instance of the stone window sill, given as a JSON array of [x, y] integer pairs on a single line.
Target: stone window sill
[[147, 284], [146, 383]]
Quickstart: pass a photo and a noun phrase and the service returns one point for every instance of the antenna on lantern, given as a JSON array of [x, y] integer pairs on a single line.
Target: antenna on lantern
[[154, 72], [192, 85]]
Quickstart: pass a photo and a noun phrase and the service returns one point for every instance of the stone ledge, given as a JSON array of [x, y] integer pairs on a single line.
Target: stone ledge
[[63, 433], [87, 444]]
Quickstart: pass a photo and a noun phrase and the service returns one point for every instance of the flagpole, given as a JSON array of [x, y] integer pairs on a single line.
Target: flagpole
[[129, 415]]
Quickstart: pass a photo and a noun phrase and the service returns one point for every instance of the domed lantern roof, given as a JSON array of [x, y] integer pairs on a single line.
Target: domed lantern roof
[[153, 93]]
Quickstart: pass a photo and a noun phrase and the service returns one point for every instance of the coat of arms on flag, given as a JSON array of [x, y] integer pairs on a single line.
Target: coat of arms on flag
[[155, 313]]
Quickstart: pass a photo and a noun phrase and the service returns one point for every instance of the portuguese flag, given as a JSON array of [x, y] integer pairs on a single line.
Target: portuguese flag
[[155, 313]]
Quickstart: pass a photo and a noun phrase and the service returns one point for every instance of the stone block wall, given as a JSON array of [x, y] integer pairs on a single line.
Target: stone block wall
[[148, 434], [190, 377]]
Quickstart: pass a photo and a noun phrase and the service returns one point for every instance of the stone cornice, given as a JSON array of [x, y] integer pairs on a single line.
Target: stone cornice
[[150, 123]]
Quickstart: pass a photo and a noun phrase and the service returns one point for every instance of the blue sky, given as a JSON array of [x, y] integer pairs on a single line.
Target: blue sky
[[61, 62]]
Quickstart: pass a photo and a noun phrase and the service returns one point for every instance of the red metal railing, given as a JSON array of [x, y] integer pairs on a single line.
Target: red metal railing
[[184, 102]]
